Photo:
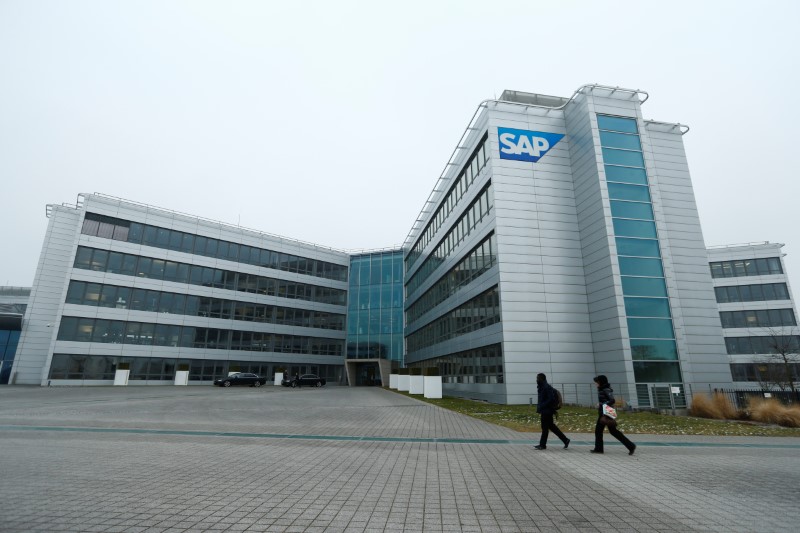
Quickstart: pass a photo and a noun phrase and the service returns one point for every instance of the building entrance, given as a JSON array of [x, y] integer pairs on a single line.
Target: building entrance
[[368, 375], [368, 372]]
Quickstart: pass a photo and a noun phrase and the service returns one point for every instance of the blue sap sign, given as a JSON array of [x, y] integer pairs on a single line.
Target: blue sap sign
[[524, 145]]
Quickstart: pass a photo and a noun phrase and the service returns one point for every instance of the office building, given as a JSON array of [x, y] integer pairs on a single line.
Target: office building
[[757, 312], [121, 283], [562, 237]]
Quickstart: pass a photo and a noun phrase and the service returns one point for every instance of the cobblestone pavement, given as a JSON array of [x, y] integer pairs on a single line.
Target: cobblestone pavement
[[357, 459]]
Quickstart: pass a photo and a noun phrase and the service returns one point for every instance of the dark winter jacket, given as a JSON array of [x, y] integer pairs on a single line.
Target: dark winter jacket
[[605, 395], [547, 399]]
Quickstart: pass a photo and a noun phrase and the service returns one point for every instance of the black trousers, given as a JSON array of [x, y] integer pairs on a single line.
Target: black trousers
[[547, 426], [612, 428]]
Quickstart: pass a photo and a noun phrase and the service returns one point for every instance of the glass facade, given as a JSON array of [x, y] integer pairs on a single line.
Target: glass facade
[[100, 367], [762, 344], [479, 312], [179, 241], [100, 330], [118, 297], [468, 174], [152, 268], [761, 318], [375, 306], [765, 372], [752, 293], [746, 267], [473, 215], [481, 365], [9, 338], [652, 336]]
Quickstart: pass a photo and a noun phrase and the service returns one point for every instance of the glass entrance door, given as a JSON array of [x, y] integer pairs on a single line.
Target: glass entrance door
[[368, 375]]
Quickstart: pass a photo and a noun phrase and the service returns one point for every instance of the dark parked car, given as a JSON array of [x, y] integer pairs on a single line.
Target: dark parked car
[[306, 380], [241, 378]]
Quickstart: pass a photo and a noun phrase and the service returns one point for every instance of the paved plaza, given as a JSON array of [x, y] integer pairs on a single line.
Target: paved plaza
[[358, 459]]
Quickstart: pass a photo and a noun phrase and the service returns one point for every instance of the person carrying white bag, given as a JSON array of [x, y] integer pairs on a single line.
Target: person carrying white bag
[[607, 418]]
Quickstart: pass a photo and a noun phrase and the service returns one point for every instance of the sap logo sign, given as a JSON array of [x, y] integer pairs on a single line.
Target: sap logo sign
[[524, 145]]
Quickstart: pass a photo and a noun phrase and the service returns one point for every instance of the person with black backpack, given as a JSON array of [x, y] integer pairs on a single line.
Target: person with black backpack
[[549, 402]]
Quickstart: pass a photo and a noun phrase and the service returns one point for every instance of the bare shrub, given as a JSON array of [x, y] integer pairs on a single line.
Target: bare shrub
[[771, 411], [717, 406]]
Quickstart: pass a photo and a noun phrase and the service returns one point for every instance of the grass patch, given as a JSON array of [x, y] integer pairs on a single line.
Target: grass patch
[[582, 420]]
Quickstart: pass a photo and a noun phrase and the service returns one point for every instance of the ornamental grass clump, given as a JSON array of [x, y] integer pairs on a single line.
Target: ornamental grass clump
[[718, 406], [771, 411]]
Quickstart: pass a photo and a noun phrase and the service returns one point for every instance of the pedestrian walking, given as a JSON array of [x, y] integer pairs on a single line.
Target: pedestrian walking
[[546, 406], [605, 395]]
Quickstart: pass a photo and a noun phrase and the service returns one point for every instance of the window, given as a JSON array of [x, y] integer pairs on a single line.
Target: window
[[619, 174], [610, 123], [642, 211], [634, 228], [638, 247], [622, 191]]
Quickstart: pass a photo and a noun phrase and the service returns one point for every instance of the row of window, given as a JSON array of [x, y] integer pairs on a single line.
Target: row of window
[[752, 293], [470, 172], [99, 295], [763, 344], [179, 241], [480, 365], [762, 318], [9, 339], [647, 307], [79, 366], [375, 318], [376, 347], [479, 312], [151, 268], [652, 339], [375, 321], [479, 208], [376, 269], [377, 297], [478, 261], [142, 333], [746, 267], [656, 372], [769, 374]]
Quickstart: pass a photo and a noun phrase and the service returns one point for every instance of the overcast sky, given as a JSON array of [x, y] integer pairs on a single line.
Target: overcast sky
[[330, 122]]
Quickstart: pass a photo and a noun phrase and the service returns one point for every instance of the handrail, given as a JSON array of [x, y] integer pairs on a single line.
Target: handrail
[[673, 124], [485, 103], [227, 224], [757, 243]]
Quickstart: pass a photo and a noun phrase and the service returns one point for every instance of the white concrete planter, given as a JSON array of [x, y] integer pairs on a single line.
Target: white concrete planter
[[393, 381], [121, 377], [182, 377], [416, 385], [278, 378], [403, 382], [433, 386]]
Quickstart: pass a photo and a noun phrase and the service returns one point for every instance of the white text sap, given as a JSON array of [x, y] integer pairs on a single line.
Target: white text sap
[[533, 146]]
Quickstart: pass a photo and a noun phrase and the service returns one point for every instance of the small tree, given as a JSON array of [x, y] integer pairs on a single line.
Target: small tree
[[777, 368]]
